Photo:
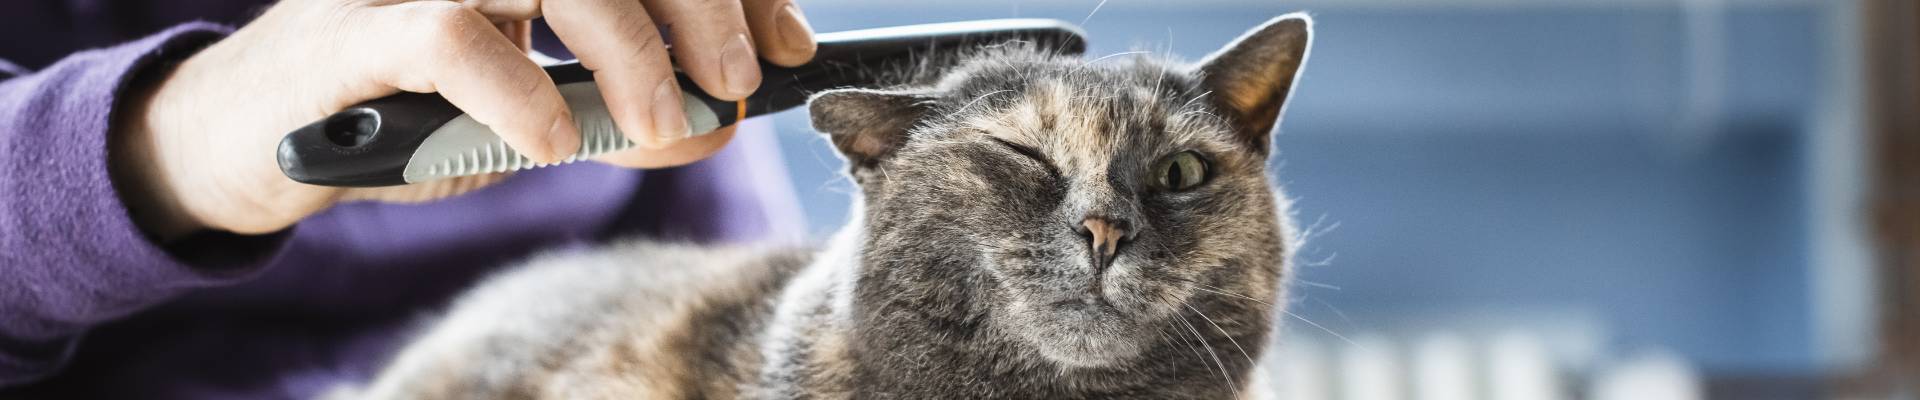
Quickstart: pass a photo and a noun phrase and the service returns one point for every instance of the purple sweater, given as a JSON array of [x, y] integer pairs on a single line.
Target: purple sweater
[[90, 308]]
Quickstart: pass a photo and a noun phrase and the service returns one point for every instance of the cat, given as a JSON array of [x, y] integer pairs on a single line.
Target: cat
[[1028, 225]]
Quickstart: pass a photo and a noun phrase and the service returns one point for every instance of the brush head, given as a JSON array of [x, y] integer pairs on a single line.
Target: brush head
[[857, 58]]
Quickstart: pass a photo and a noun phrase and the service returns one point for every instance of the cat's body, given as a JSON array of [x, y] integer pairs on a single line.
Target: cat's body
[[1029, 227], [591, 325]]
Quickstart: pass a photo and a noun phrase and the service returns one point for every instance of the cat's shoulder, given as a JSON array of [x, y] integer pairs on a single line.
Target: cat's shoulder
[[659, 259]]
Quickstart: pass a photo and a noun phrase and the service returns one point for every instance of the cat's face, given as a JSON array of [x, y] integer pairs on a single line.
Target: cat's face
[[1078, 207]]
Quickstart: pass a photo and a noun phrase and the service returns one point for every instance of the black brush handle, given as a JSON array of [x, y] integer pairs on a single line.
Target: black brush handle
[[369, 144]]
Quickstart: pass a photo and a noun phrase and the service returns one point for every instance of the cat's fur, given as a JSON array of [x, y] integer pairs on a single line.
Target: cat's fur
[[966, 274]]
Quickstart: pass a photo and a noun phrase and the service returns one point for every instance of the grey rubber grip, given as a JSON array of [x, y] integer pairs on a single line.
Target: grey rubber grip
[[465, 147]]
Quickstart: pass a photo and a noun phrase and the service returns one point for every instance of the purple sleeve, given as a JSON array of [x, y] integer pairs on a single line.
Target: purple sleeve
[[70, 257]]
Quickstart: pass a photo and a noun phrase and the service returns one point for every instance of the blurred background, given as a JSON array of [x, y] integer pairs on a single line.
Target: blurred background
[[1538, 199]]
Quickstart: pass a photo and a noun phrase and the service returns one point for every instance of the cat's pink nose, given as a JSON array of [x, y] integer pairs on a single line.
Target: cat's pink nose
[[1104, 235]]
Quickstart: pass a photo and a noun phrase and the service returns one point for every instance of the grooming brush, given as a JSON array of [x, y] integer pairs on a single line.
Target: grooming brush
[[418, 137]]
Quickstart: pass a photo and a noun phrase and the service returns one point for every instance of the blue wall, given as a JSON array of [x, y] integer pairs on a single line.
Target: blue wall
[[1483, 158]]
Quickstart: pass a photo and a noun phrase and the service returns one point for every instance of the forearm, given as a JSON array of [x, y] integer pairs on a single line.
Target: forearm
[[73, 254]]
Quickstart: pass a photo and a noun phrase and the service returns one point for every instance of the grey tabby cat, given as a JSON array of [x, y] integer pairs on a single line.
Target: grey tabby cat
[[1034, 226]]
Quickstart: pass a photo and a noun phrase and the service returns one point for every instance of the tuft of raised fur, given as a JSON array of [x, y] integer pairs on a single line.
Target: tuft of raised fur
[[963, 274]]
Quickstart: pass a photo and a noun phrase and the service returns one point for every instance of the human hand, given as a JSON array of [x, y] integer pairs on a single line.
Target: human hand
[[195, 150]]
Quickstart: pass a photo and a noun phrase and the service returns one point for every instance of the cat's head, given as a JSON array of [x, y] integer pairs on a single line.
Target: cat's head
[[1077, 207]]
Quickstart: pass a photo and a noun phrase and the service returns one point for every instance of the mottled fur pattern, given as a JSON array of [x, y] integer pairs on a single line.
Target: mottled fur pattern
[[965, 273]]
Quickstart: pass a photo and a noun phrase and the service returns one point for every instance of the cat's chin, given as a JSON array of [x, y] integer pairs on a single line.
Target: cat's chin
[[1092, 352], [1084, 335]]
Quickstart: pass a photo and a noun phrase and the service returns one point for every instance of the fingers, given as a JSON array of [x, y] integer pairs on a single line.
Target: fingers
[[460, 54], [619, 42], [617, 39], [780, 31], [680, 153], [711, 43], [501, 11]]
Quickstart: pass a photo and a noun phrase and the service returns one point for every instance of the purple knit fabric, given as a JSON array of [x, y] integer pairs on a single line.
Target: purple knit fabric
[[91, 308]]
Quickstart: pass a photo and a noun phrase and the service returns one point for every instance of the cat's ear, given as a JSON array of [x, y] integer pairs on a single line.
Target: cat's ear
[[1251, 78], [867, 125]]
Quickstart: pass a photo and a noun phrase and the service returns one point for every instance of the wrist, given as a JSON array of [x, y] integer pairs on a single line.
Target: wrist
[[136, 158]]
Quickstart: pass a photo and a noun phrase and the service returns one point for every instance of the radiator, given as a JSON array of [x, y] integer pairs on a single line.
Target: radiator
[[1444, 366]]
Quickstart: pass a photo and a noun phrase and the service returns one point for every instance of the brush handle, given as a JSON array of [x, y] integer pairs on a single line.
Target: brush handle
[[417, 137]]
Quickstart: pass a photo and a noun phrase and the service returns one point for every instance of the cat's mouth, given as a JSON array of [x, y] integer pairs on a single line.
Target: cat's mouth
[[1089, 310], [1085, 321], [1092, 300], [1086, 335], [1083, 329]]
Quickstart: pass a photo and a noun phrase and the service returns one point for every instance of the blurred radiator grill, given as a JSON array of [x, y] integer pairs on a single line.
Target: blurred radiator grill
[[1511, 366]]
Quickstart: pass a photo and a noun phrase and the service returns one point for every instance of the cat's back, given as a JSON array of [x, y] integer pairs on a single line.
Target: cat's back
[[634, 320]]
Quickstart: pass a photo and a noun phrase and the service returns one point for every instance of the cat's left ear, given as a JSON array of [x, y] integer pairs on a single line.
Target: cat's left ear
[[1251, 78], [867, 125]]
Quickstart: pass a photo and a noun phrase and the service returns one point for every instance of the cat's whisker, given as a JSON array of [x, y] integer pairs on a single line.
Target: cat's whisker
[[1188, 339], [1316, 229], [1234, 295], [1096, 9], [1182, 335], [1322, 328], [963, 108], [1161, 78], [1316, 284], [1223, 332], [1190, 331], [1224, 375], [1196, 98], [1184, 114], [1321, 262], [1336, 310], [1095, 60], [1166, 49]]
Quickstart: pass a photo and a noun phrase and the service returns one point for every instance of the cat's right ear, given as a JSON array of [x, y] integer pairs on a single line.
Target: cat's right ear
[[867, 125], [1252, 77]]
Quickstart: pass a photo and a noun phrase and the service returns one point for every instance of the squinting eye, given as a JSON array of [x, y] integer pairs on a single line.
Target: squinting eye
[[1180, 171]]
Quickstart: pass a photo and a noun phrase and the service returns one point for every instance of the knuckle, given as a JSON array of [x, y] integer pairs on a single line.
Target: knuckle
[[436, 12], [447, 25], [646, 43], [717, 8]]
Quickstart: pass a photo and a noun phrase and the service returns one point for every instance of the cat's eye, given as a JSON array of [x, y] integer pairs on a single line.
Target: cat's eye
[[1180, 171]]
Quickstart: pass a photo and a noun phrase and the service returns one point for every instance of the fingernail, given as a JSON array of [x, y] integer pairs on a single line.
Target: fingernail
[[739, 68], [669, 120], [563, 139], [795, 34]]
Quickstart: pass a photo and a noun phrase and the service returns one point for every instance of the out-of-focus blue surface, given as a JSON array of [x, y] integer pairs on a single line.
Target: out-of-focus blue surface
[[1483, 159]]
